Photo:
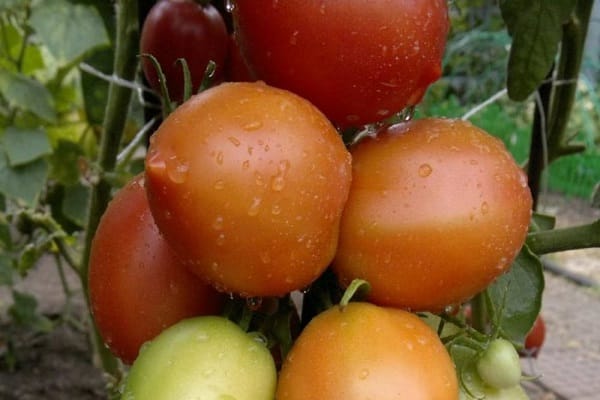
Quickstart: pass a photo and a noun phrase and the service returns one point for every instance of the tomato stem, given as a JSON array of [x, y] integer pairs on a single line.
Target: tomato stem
[[119, 97], [571, 238]]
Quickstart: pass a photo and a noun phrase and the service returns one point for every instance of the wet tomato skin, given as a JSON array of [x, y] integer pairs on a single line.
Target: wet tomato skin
[[357, 61], [137, 285], [247, 182], [367, 352], [535, 338], [176, 29], [437, 209]]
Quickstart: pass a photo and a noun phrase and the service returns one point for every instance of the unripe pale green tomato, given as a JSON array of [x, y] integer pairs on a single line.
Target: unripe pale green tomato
[[499, 366], [208, 358], [474, 388]]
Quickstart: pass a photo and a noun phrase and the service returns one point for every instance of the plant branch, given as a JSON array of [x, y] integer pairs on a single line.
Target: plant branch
[[571, 238], [119, 97], [569, 65]]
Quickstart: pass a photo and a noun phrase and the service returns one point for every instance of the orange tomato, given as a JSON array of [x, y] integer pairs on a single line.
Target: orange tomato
[[247, 182], [367, 352], [438, 208]]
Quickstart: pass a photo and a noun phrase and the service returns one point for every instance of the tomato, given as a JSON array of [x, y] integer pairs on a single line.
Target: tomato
[[367, 352], [176, 29], [473, 388], [437, 209], [236, 69], [499, 365], [535, 338], [202, 358], [247, 182], [137, 285], [357, 61]]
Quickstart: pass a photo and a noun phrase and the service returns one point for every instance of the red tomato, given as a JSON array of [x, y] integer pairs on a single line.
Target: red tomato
[[535, 339], [236, 69], [247, 182], [357, 61], [437, 209], [367, 352], [176, 29], [137, 285]]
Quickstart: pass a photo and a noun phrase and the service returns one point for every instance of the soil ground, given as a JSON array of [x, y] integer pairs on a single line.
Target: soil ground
[[57, 366]]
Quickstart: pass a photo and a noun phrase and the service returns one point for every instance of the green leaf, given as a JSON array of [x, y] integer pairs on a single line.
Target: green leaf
[[64, 162], [515, 298], [12, 4], [25, 145], [6, 270], [10, 52], [24, 312], [24, 182], [75, 203], [543, 222], [27, 94], [536, 28], [68, 30]]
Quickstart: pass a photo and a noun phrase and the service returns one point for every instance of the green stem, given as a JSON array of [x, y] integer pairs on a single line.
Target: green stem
[[119, 97], [571, 238], [569, 65]]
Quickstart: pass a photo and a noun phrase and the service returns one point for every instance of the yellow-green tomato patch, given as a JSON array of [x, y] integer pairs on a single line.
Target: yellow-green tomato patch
[[208, 358]]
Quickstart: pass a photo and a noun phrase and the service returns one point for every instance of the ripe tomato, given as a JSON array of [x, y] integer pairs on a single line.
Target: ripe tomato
[[357, 61], [137, 285], [247, 182], [437, 209], [367, 352], [535, 338], [176, 29], [202, 358], [236, 69]]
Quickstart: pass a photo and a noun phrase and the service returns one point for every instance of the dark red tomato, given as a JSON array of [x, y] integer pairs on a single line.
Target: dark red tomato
[[247, 182], [236, 69], [137, 285], [437, 210], [176, 29], [358, 61], [535, 339]]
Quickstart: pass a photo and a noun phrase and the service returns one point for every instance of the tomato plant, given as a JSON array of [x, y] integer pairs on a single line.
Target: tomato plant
[[358, 62], [499, 365], [247, 182], [365, 351], [138, 287], [186, 29], [203, 358], [437, 209]]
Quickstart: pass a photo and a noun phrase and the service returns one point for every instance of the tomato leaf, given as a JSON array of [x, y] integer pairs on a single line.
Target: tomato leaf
[[23, 182], [536, 29], [68, 30], [6, 270], [24, 312], [27, 94], [515, 298], [25, 145]]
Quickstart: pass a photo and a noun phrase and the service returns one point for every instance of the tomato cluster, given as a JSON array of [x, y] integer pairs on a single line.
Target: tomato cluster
[[250, 193]]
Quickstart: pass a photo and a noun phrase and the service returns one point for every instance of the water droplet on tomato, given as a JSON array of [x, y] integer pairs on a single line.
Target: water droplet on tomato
[[235, 141], [229, 5], [277, 183], [219, 185], [221, 239], [252, 126], [425, 170], [254, 207], [254, 303], [364, 374], [276, 209], [294, 38], [220, 158], [485, 208]]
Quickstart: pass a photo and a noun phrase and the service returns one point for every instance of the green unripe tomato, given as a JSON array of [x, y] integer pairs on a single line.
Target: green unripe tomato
[[474, 388], [208, 358], [499, 366]]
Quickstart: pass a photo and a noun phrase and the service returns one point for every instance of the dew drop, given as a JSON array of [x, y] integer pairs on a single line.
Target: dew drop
[[277, 183], [220, 158], [235, 141], [254, 207], [254, 303], [485, 208], [276, 209], [425, 170], [246, 164], [229, 5], [221, 239], [178, 173], [253, 125], [364, 374], [219, 185], [265, 257]]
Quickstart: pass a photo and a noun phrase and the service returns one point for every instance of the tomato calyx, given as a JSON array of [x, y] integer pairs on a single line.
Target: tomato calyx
[[358, 289]]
